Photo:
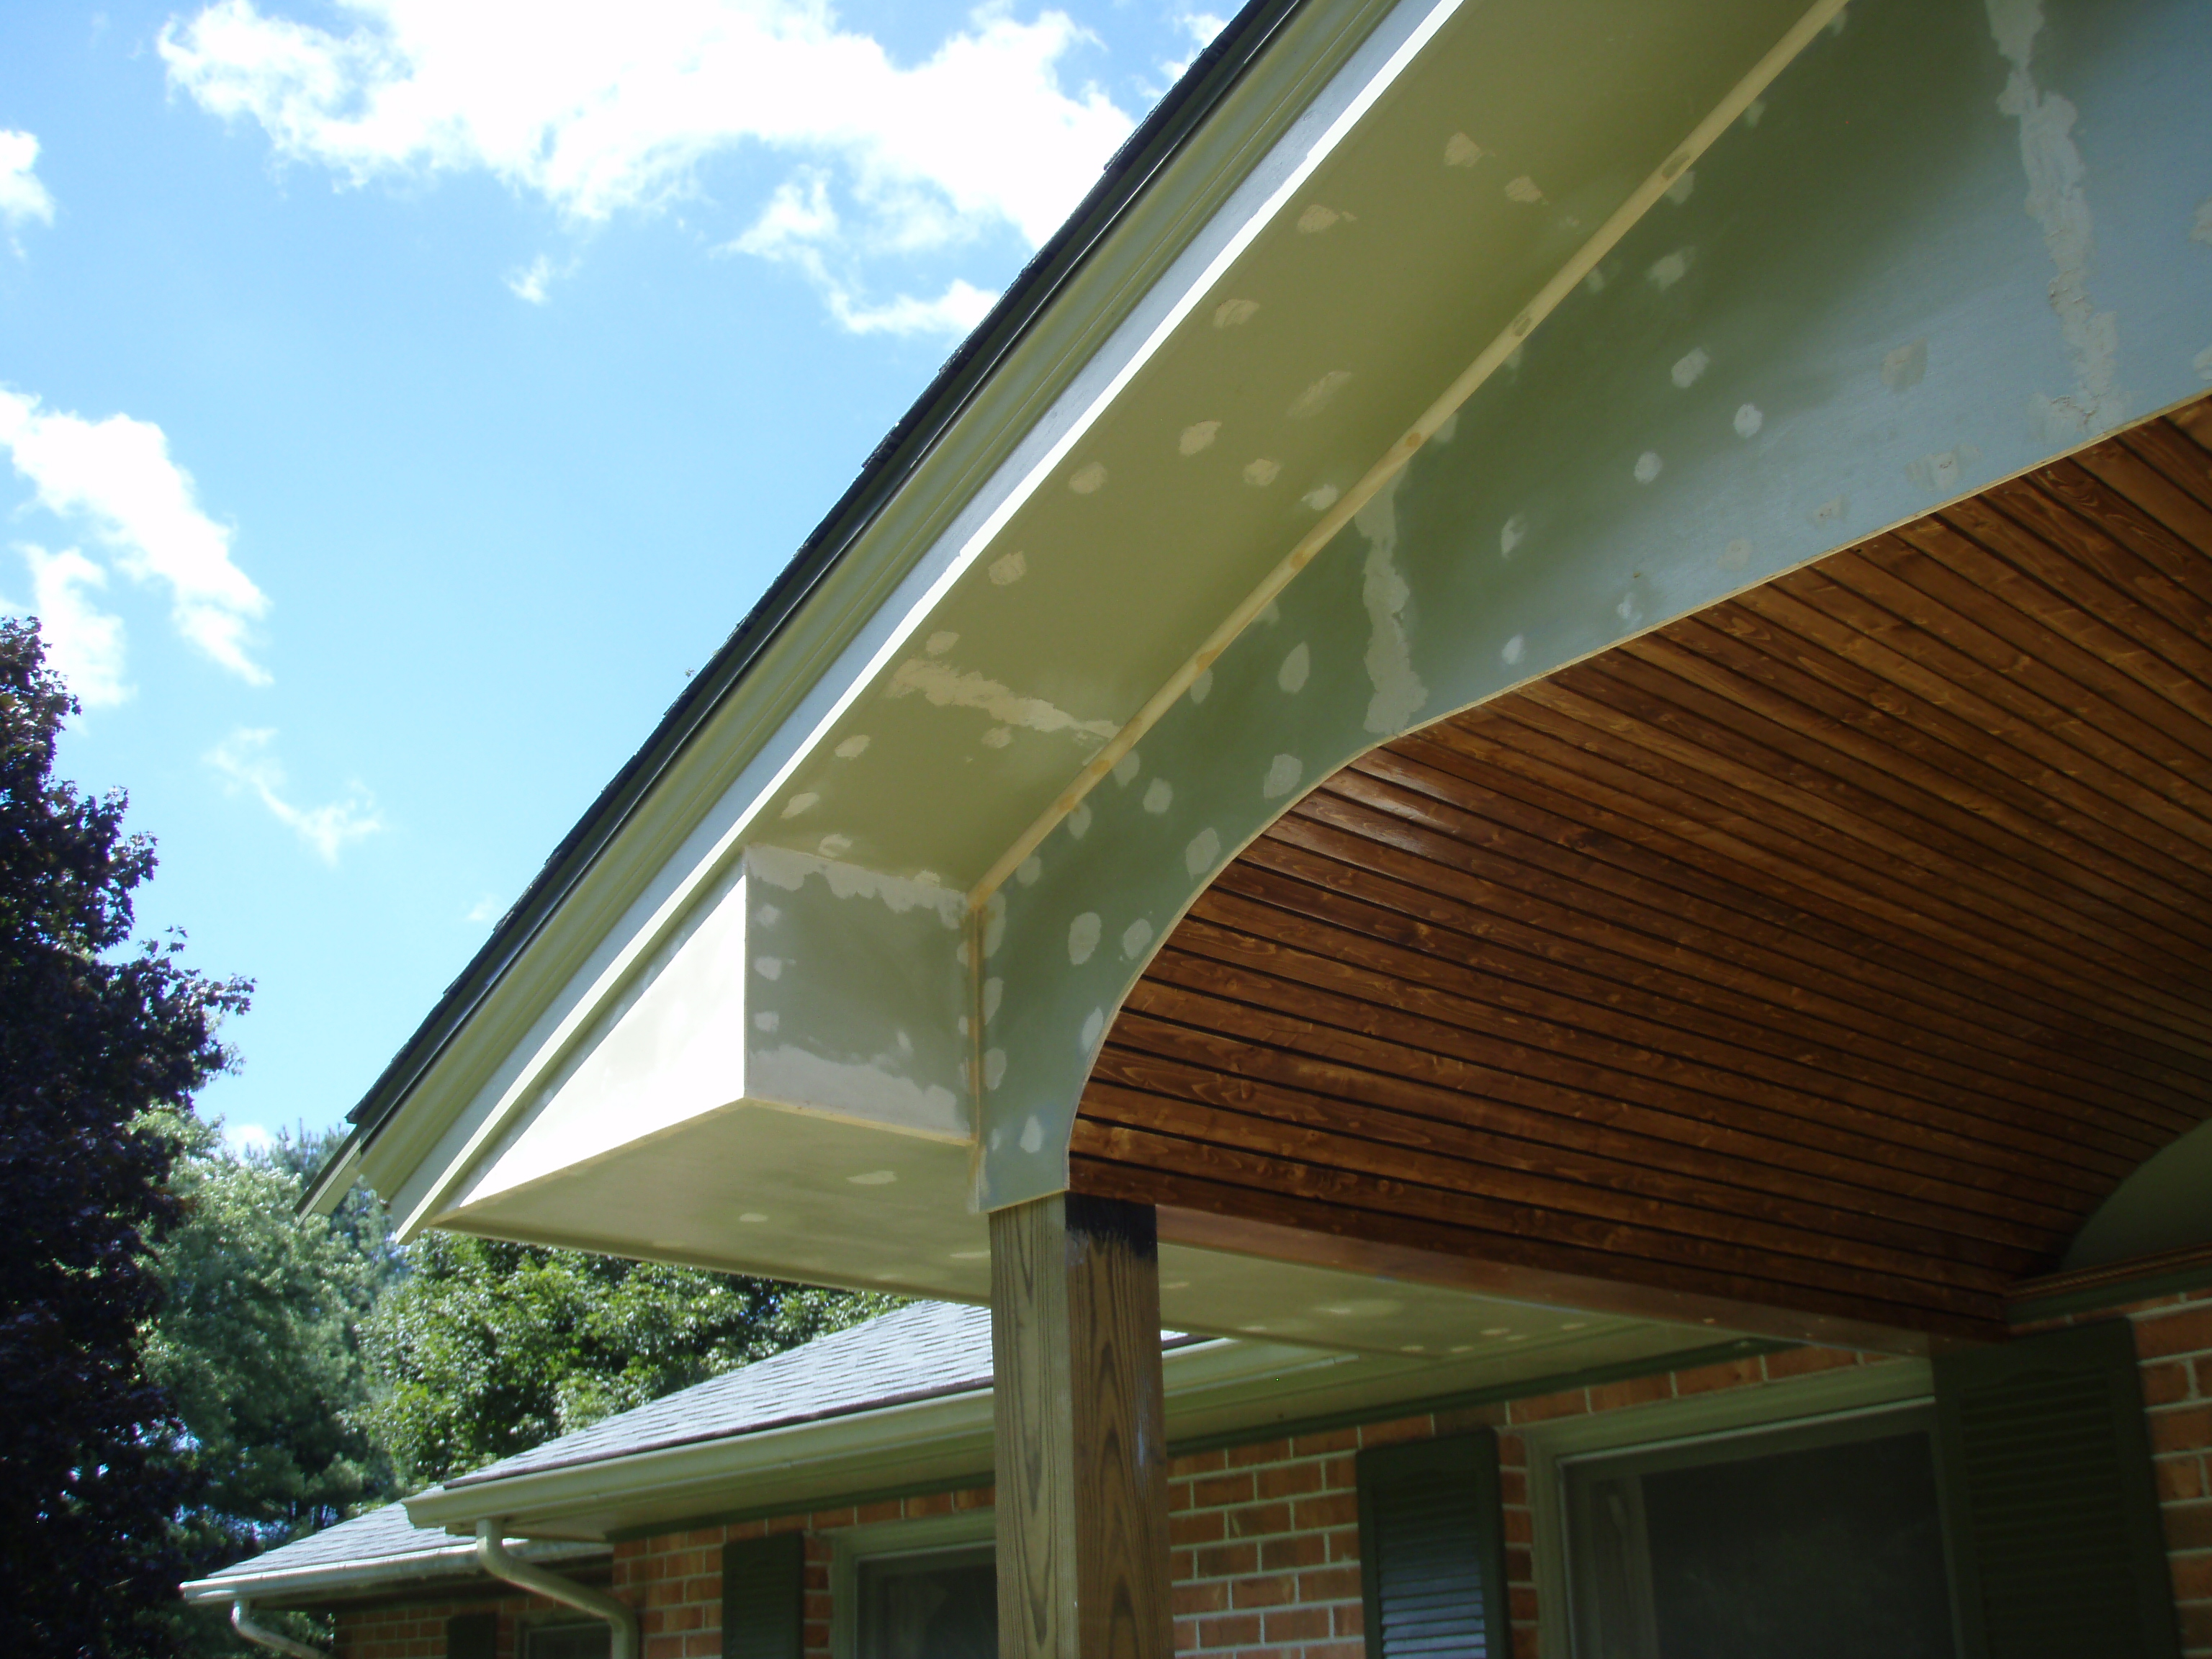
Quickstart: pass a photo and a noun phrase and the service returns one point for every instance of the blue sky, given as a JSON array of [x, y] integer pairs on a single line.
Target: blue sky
[[397, 398]]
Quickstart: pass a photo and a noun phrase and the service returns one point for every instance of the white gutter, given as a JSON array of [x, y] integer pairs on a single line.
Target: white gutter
[[492, 1556], [455, 1560], [262, 1637]]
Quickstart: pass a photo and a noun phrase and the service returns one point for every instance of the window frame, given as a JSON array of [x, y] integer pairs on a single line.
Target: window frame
[[935, 1534], [1836, 1396]]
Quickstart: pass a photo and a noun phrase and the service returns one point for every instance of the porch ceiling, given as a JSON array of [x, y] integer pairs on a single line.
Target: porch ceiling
[[1838, 947]]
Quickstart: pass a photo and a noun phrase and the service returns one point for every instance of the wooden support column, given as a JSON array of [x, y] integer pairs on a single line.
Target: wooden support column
[[1081, 1447]]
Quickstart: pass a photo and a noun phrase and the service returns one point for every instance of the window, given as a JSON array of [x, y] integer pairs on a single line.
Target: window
[[567, 1640], [915, 1589], [1820, 1541]]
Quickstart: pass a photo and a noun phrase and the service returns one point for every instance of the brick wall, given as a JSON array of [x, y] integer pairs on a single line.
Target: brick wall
[[417, 1630], [1265, 1537]]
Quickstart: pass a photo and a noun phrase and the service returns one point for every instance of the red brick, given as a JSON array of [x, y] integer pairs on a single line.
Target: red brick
[[1521, 1600], [1513, 1486], [1258, 1520], [1329, 1585], [2189, 1526], [1298, 1625], [1259, 1451], [1199, 1463], [1631, 1391], [1335, 1440], [2182, 1330], [1227, 1561], [1228, 1630], [1520, 1526], [1544, 1406], [1390, 1434], [2167, 1382], [1335, 1650], [1289, 1479], [1524, 1642], [1328, 1509], [1193, 1597], [1268, 1591], [2197, 1627], [1728, 1374], [1219, 1489], [2189, 1429], [2192, 1578], [1186, 1635], [1299, 1549], [687, 1618], [1208, 1528], [1520, 1566]]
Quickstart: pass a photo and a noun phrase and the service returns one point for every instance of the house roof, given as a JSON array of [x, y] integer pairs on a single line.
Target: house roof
[[922, 1352]]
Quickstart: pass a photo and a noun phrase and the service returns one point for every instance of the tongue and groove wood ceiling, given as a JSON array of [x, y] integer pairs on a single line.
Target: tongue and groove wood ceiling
[[1836, 948]]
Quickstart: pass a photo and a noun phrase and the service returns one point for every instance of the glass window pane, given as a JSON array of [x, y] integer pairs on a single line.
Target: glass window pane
[[944, 1605], [1751, 1550]]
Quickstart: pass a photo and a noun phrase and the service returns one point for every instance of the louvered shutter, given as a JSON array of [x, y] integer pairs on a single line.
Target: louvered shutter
[[472, 1636], [764, 1598], [1432, 1550], [2048, 1499]]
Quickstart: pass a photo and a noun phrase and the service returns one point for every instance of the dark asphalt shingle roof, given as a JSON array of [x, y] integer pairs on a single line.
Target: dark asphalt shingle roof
[[373, 1537], [917, 1352]]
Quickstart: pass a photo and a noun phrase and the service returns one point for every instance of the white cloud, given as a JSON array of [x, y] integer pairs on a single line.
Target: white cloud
[[605, 109], [117, 478], [21, 196], [242, 1138], [84, 644], [244, 758], [797, 227], [529, 283], [485, 910], [1202, 27]]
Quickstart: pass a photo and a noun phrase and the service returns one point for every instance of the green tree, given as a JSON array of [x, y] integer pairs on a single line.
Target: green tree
[[258, 1345], [486, 1349], [94, 1035]]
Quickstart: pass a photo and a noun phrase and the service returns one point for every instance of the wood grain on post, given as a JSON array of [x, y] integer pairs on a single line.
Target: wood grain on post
[[1081, 1453]]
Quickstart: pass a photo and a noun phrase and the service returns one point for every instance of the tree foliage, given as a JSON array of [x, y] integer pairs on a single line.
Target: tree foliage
[[486, 1349], [94, 1035]]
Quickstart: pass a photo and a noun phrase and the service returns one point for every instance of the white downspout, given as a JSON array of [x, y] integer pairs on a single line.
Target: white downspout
[[261, 1636], [492, 1556]]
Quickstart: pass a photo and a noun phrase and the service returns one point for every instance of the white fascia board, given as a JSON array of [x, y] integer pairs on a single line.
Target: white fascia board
[[455, 1560], [706, 851]]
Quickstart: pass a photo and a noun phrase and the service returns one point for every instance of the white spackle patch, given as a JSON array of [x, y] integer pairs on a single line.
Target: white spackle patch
[[998, 737], [1262, 472], [768, 915], [853, 748], [994, 1067], [752, 1217], [940, 643], [1082, 938], [1032, 1141], [1448, 428], [1904, 366], [1270, 613], [1321, 497], [834, 846], [1318, 396], [767, 1020], [1828, 510], [1749, 420], [1135, 937], [948, 687], [994, 925], [1628, 610], [1647, 466], [1513, 648], [804, 801], [2201, 363], [1203, 853], [1094, 1027], [1317, 218], [1666, 272], [1754, 111], [1736, 554], [1028, 872], [1235, 313], [1008, 568], [2056, 201], [1680, 191], [1691, 364], [1523, 189], [1942, 470], [1462, 151], [1399, 692], [1088, 480], [1202, 687], [1197, 436], [768, 966], [1283, 774], [1127, 768], [994, 993], [961, 1023], [1079, 820], [2200, 229], [1159, 795], [968, 1255], [1595, 282], [874, 1178], [1298, 664], [1511, 534]]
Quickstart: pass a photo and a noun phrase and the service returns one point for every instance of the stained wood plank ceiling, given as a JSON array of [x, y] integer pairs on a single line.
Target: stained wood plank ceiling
[[1836, 948]]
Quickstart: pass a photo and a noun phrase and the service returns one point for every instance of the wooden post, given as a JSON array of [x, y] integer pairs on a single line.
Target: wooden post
[[1080, 1421]]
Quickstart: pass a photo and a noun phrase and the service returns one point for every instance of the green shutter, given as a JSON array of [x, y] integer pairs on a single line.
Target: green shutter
[[764, 1598], [2050, 1504], [472, 1636], [1432, 1550]]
